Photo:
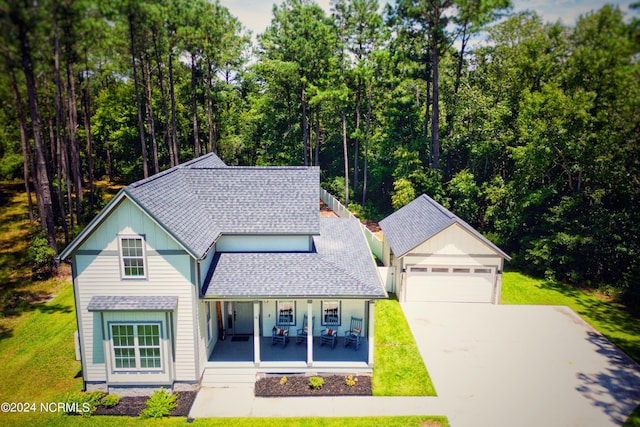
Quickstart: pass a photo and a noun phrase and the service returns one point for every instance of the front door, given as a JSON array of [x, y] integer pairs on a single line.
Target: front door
[[243, 318]]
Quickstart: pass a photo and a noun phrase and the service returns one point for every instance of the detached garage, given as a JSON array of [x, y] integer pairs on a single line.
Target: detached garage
[[436, 256]]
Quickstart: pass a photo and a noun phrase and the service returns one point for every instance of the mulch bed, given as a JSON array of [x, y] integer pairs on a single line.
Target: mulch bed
[[132, 405], [298, 385]]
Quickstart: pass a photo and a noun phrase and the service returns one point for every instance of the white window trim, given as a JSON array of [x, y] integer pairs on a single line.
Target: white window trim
[[122, 257], [322, 312], [136, 346], [292, 322]]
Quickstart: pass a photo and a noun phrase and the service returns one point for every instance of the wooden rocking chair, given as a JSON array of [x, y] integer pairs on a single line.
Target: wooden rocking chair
[[303, 333], [280, 332], [354, 333], [330, 333]]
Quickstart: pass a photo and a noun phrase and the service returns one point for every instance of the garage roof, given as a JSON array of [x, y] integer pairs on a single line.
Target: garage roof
[[419, 221]]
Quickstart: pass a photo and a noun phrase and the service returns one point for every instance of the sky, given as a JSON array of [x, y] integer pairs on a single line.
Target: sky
[[256, 15]]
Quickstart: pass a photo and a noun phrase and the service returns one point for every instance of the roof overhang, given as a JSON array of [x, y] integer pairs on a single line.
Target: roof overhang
[[283, 296], [132, 303]]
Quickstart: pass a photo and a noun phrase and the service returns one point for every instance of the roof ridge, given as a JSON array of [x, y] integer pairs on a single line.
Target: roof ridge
[[245, 167], [154, 177], [189, 163], [441, 208], [182, 166]]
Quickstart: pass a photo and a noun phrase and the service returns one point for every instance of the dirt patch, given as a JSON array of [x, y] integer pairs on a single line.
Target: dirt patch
[[132, 405], [329, 214], [326, 211], [298, 385]]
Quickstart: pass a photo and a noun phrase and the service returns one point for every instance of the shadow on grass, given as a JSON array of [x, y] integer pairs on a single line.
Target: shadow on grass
[[5, 333], [15, 303], [54, 308], [617, 389]]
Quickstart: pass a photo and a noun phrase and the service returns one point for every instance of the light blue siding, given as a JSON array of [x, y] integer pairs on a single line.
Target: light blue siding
[[263, 244], [169, 273]]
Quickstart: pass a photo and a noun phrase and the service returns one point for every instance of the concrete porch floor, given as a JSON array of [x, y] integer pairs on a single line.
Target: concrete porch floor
[[242, 351]]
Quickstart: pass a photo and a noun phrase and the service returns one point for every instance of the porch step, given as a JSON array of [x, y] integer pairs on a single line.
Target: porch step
[[228, 377]]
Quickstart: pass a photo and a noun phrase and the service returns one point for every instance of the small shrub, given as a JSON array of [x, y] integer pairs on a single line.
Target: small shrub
[[159, 405], [350, 381], [283, 380], [316, 383], [41, 257], [356, 210], [110, 400], [86, 403]]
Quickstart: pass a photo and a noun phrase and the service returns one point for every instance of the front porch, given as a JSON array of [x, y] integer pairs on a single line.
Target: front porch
[[293, 354], [234, 361]]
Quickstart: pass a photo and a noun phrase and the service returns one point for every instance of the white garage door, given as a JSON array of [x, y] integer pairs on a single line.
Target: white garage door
[[450, 284]]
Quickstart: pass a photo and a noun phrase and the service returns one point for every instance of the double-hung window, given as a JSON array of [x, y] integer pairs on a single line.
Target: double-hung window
[[132, 257], [331, 313], [136, 346], [286, 313]]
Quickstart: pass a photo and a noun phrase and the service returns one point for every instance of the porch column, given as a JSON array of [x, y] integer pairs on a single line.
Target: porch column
[[370, 333], [256, 332], [309, 333]]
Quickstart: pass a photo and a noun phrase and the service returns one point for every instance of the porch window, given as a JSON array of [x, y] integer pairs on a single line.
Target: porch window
[[286, 312], [209, 323], [331, 313], [136, 346], [132, 257]]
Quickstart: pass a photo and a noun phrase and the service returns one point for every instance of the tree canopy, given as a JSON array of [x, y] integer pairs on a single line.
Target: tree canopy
[[528, 130]]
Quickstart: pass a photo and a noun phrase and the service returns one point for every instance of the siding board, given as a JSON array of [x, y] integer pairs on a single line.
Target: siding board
[[169, 274]]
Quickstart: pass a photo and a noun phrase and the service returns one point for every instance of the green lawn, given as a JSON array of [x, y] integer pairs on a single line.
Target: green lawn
[[634, 419], [258, 422], [610, 318], [399, 368]]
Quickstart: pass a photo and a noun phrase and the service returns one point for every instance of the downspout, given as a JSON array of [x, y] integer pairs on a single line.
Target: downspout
[[196, 309], [75, 300]]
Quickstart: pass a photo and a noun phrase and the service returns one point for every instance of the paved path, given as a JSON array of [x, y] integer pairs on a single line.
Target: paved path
[[491, 365], [240, 402]]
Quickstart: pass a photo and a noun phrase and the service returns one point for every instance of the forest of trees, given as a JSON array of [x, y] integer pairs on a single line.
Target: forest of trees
[[527, 130]]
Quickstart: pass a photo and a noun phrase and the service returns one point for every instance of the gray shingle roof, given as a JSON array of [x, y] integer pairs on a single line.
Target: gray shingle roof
[[199, 200], [420, 220], [132, 303], [341, 266]]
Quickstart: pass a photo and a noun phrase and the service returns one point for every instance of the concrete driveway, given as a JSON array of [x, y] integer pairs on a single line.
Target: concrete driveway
[[502, 365]]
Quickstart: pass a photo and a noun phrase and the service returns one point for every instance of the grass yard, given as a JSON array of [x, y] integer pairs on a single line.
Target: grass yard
[[399, 368], [634, 419], [258, 422], [608, 317]]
